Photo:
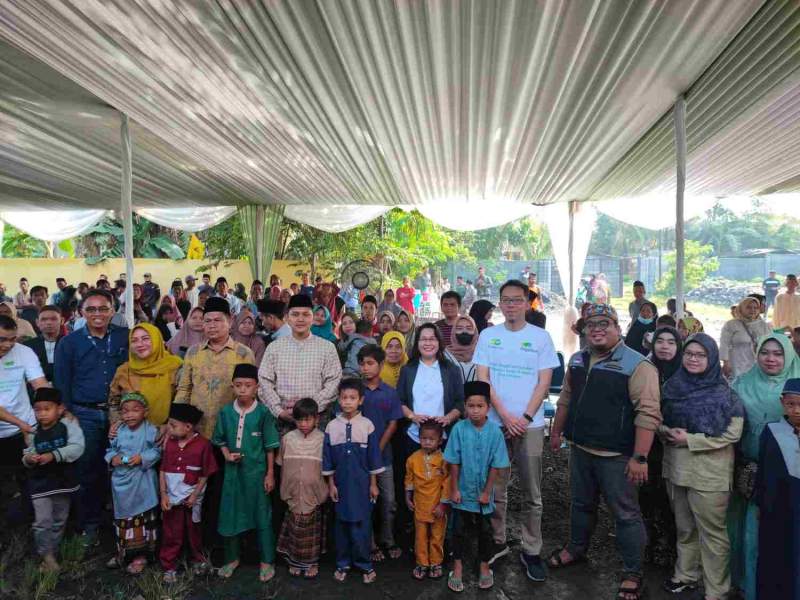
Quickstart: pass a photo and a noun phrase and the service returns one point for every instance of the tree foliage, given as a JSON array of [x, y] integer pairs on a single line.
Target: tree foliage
[[699, 263], [106, 240]]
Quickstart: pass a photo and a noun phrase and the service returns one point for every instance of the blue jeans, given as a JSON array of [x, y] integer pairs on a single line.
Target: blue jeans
[[92, 468], [590, 476]]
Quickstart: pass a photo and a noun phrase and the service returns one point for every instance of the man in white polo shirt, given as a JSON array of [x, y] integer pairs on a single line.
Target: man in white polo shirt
[[518, 359], [18, 365]]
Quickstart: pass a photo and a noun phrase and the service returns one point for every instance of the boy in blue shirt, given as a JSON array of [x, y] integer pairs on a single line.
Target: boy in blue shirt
[[351, 462], [476, 452], [382, 407]]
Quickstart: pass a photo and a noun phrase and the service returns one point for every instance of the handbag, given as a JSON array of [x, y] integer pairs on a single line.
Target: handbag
[[744, 478]]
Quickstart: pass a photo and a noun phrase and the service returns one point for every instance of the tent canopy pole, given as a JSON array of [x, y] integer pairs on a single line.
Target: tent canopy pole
[[126, 215], [680, 155]]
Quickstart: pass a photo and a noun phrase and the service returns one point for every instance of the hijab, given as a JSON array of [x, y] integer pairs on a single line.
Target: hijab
[[700, 403], [410, 335], [325, 331], [691, 325], [667, 368], [156, 374], [24, 328], [478, 313], [185, 337], [252, 341], [463, 352], [392, 307], [740, 310], [761, 393], [391, 316], [390, 374]]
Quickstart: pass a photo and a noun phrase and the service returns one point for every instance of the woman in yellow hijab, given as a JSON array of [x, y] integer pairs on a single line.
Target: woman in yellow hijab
[[394, 344], [151, 370]]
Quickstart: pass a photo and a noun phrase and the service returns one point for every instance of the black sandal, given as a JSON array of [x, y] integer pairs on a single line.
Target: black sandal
[[636, 592], [554, 561]]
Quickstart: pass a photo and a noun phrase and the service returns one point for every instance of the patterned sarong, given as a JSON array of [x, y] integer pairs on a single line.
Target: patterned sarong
[[302, 538]]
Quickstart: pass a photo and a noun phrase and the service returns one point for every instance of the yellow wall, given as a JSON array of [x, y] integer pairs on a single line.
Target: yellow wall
[[43, 271]]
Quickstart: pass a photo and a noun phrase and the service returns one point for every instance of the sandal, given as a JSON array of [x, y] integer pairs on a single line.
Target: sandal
[[435, 572], [295, 571], [226, 571], [454, 584], [486, 582], [311, 572], [631, 593], [200, 568], [554, 561], [265, 572], [419, 572], [113, 563], [377, 555], [340, 575], [170, 577], [369, 577], [394, 552]]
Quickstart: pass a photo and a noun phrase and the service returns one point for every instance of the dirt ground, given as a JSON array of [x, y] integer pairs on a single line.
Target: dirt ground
[[87, 578]]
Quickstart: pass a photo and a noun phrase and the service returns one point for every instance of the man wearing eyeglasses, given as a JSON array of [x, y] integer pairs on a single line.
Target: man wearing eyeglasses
[[86, 361], [609, 409], [518, 359]]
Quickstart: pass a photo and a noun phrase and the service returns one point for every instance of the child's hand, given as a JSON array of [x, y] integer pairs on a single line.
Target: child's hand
[[409, 502], [269, 482], [165, 503], [455, 497], [32, 459], [112, 431], [333, 492], [190, 501], [116, 461], [374, 492], [483, 498], [439, 511], [234, 457], [135, 460], [46, 458]]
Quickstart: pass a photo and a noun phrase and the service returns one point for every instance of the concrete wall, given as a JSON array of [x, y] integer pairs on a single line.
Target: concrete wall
[[43, 271]]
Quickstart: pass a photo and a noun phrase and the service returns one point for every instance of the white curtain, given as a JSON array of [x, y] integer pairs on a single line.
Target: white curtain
[[190, 219], [654, 211], [476, 214], [335, 218], [54, 225]]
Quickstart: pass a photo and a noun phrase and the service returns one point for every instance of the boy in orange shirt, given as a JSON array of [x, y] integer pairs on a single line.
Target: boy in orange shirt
[[427, 485]]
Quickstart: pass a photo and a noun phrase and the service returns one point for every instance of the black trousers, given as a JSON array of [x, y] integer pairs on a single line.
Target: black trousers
[[466, 525]]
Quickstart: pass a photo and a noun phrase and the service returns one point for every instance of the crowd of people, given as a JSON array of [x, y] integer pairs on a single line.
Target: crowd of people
[[290, 411]]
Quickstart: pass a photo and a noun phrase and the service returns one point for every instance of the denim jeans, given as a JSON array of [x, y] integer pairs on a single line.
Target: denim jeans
[[92, 468], [590, 476]]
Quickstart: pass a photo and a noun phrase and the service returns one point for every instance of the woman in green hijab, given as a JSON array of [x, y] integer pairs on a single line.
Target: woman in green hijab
[[760, 390]]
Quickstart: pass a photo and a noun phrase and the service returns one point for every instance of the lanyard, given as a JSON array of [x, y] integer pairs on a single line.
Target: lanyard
[[93, 340]]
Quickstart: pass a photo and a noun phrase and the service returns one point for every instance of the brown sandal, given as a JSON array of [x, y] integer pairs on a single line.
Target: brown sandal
[[554, 561]]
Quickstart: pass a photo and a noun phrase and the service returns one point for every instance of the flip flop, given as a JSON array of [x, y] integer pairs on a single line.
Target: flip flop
[[486, 582], [554, 561], [454, 584], [369, 577], [226, 571], [419, 572], [340, 575], [266, 573]]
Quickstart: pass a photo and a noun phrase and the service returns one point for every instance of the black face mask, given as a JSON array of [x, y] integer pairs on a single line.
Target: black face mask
[[465, 339]]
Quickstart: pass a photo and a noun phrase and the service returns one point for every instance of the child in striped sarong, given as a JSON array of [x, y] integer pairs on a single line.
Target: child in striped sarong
[[302, 537]]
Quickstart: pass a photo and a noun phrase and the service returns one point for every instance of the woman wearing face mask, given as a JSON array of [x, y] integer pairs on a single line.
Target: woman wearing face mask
[[760, 390], [653, 500], [703, 420], [645, 323], [737, 342], [462, 347]]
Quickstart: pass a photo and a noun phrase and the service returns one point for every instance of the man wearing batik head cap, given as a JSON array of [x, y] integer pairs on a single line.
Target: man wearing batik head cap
[[609, 409], [298, 366], [208, 366]]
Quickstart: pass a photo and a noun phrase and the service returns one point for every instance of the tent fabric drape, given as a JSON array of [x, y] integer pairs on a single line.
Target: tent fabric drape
[[335, 218], [189, 219], [54, 225], [261, 226]]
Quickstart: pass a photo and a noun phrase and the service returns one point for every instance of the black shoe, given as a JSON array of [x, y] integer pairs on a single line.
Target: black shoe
[[534, 567], [499, 551], [676, 587]]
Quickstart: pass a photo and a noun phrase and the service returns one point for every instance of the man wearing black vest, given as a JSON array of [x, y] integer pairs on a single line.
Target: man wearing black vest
[[609, 409]]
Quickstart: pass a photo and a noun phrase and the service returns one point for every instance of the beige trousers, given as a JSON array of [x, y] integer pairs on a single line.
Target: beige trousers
[[526, 453], [703, 544]]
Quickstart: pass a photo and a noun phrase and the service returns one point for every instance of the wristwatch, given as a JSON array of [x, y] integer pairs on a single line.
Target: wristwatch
[[640, 458], [125, 460], [527, 417]]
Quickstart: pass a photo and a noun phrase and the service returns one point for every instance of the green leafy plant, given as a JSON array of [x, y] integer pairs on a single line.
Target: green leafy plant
[[106, 240], [699, 263]]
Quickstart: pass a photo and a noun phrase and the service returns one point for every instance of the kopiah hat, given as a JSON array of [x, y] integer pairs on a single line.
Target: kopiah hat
[[185, 413], [217, 304], [47, 394], [300, 301], [245, 371]]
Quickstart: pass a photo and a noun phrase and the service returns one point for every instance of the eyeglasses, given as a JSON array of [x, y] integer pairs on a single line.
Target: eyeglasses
[[600, 325], [513, 301], [92, 310], [695, 355]]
